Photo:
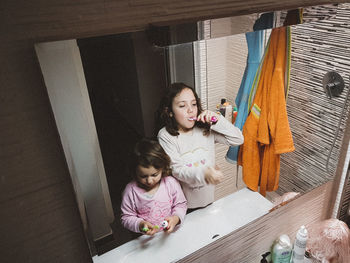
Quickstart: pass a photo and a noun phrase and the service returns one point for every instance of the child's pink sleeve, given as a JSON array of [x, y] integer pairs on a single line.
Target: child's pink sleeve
[[129, 217], [179, 205]]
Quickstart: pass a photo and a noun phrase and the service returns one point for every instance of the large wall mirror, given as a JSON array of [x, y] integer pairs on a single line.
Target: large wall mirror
[[105, 90]]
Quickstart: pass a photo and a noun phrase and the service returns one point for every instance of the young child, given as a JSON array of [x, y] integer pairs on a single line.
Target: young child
[[153, 196], [188, 137]]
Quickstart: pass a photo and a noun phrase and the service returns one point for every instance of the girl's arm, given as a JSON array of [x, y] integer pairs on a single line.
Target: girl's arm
[[129, 217], [226, 133], [193, 176], [179, 205]]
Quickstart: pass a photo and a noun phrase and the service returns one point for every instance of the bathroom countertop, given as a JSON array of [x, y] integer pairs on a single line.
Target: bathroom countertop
[[199, 229]]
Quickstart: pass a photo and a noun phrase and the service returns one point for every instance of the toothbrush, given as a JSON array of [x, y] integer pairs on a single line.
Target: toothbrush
[[213, 119]]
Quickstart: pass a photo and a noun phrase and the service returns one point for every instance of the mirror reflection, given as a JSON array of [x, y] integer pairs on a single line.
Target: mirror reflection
[[127, 75]]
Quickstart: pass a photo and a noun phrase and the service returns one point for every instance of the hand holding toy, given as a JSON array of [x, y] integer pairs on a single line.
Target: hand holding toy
[[170, 222], [147, 228]]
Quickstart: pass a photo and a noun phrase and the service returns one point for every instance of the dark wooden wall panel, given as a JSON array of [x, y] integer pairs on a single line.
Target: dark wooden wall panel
[[44, 20], [43, 226], [27, 128], [39, 219]]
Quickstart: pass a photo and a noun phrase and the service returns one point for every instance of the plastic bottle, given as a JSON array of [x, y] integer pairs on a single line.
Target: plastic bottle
[[234, 114], [282, 250], [225, 108], [222, 108], [299, 245], [228, 112]]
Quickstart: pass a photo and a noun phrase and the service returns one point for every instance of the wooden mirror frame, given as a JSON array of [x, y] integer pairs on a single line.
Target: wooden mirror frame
[[32, 156]]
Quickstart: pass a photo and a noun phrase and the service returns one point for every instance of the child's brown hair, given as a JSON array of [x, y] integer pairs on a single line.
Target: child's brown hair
[[164, 118], [149, 153]]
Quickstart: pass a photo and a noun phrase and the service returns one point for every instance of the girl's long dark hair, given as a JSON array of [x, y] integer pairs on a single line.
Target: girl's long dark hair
[[147, 153], [163, 118]]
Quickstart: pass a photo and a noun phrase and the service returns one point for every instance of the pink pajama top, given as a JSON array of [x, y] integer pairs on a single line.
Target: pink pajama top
[[136, 205]]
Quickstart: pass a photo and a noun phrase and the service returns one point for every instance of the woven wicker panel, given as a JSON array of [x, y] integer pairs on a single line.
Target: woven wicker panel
[[317, 48]]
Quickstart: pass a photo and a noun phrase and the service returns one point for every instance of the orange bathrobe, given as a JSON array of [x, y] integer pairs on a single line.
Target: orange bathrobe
[[266, 131]]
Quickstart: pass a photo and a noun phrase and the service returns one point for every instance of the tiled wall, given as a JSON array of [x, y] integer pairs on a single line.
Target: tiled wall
[[317, 47]]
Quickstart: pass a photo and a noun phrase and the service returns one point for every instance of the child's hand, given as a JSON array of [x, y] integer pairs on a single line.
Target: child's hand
[[147, 228], [172, 222], [213, 175], [206, 116]]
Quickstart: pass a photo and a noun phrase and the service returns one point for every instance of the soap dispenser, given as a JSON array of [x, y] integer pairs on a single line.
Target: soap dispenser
[[282, 250]]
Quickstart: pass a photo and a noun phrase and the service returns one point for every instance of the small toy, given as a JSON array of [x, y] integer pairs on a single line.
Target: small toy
[[164, 224], [145, 229]]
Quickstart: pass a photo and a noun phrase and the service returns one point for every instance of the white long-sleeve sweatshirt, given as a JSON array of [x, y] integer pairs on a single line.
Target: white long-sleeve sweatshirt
[[191, 153]]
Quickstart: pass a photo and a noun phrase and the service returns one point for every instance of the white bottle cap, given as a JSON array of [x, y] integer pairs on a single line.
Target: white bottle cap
[[303, 231], [284, 241]]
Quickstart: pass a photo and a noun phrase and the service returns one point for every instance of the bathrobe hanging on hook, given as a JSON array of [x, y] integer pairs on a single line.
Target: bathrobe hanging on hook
[[255, 51], [266, 130]]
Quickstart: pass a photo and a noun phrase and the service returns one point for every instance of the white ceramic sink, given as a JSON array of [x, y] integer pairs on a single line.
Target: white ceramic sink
[[198, 230]]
